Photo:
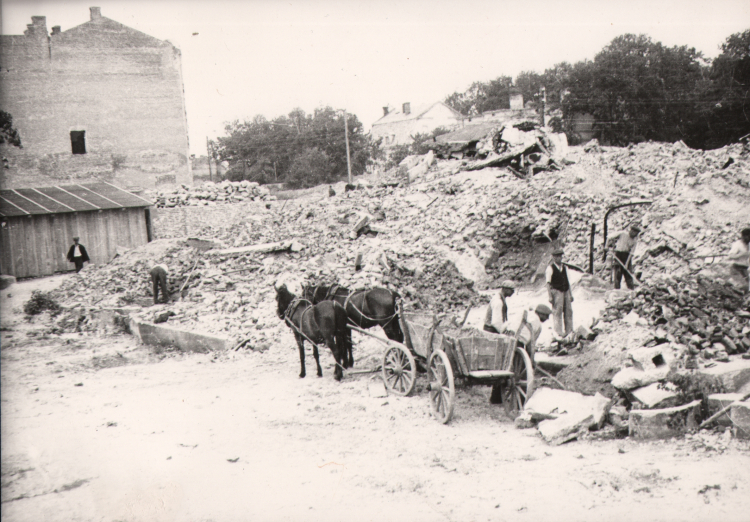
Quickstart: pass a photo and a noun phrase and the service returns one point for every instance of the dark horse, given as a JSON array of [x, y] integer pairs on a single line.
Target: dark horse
[[324, 322], [364, 308]]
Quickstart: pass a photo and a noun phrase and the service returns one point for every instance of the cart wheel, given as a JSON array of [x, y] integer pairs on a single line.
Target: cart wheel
[[399, 370], [442, 388], [518, 388]]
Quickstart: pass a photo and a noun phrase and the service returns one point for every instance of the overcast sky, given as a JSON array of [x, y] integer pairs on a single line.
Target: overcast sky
[[268, 57]]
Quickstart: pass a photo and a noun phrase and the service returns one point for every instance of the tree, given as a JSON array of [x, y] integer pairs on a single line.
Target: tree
[[725, 103], [8, 134], [311, 167], [637, 90], [257, 148], [482, 97]]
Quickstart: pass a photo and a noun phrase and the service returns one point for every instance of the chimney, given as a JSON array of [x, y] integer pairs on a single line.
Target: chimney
[[96, 12], [55, 30], [385, 111], [407, 108], [37, 27]]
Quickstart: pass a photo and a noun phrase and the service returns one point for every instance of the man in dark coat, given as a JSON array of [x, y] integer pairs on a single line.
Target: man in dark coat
[[77, 254]]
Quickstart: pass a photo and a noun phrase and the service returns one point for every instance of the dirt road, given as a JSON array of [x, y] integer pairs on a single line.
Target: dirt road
[[99, 428]]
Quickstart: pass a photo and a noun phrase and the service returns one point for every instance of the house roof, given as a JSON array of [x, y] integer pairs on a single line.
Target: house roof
[[111, 34], [418, 111], [67, 198]]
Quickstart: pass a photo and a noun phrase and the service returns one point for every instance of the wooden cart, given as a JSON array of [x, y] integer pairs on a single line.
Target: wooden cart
[[467, 356]]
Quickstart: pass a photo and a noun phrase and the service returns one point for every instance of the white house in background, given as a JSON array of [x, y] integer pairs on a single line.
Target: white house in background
[[397, 127]]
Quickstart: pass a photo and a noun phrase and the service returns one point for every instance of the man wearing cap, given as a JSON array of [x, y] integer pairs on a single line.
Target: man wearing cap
[[624, 244], [159, 279], [497, 311], [560, 297], [530, 330], [77, 254]]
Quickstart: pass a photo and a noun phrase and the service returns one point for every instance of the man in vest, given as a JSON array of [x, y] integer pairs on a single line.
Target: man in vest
[[497, 311], [560, 297], [77, 254]]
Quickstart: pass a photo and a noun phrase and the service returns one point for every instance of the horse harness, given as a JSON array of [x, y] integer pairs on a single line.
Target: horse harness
[[362, 314], [290, 312]]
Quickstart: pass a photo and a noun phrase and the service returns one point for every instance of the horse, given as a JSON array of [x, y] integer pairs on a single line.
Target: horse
[[364, 308], [316, 323]]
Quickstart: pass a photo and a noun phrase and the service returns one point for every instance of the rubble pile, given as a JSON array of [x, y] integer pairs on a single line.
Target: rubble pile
[[709, 315], [435, 242], [211, 193]]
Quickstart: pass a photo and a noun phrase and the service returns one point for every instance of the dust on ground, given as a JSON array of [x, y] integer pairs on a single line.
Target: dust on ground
[[100, 428]]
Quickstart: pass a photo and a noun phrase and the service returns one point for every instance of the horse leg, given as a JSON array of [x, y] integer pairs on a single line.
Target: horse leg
[[301, 346], [317, 360], [338, 348], [348, 356]]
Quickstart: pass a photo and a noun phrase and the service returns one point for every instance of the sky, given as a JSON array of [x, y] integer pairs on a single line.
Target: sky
[[268, 57]]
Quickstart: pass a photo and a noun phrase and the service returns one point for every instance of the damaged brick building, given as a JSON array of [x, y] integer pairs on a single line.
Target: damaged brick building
[[99, 100]]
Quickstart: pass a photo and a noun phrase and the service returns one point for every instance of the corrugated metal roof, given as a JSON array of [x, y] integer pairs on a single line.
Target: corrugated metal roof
[[67, 198]]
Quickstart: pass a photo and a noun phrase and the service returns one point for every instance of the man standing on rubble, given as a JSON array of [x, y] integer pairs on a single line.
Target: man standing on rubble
[[739, 255], [159, 279], [77, 254], [624, 244], [560, 296], [497, 311]]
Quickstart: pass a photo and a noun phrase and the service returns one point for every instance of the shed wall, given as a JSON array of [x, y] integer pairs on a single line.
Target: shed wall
[[32, 246]]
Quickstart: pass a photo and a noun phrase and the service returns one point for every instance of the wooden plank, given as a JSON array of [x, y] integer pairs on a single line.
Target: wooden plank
[[21, 260], [44, 226], [6, 247], [490, 374]]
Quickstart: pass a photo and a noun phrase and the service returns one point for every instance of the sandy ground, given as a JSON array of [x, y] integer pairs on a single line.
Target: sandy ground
[[102, 429]]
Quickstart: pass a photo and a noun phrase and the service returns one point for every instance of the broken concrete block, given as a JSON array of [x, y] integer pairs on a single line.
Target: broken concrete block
[[600, 406], [733, 376], [630, 378], [663, 423], [719, 401], [740, 416], [6, 281], [585, 333], [618, 417], [566, 427], [656, 396], [548, 403]]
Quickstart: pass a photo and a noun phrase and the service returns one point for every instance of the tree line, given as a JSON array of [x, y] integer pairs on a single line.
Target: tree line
[[637, 90], [299, 149]]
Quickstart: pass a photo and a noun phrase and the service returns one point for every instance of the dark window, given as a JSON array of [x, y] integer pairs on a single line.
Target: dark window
[[78, 141]]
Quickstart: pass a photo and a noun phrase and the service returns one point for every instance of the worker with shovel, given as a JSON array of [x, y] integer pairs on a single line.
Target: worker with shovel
[[159, 280], [624, 244]]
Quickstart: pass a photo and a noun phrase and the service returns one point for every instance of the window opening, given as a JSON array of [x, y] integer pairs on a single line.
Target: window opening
[[78, 142]]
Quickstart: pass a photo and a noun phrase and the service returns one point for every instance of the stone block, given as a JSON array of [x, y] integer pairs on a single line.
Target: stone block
[[565, 427], [740, 416], [733, 376], [663, 423], [165, 336], [6, 281], [548, 403], [656, 396], [630, 378], [718, 401]]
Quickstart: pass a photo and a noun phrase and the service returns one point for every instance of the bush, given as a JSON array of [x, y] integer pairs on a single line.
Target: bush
[[311, 167], [39, 302]]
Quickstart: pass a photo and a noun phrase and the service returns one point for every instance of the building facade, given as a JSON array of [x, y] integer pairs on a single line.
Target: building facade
[[397, 127], [98, 101]]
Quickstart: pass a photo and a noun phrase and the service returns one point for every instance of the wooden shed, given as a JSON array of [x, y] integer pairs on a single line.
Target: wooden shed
[[37, 226]]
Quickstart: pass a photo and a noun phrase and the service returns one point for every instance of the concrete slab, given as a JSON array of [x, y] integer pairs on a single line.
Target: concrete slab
[[631, 378], [733, 376], [566, 427], [719, 401], [656, 395], [6, 281], [167, 336], [663, 423], [740, 416]]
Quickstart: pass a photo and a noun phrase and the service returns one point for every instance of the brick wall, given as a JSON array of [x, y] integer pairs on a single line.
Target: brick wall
[[190, 221], [122, 87]]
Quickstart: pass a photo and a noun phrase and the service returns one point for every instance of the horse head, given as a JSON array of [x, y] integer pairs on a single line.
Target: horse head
[[283, 299]]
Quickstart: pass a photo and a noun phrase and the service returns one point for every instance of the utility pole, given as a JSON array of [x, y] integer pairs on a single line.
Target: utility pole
[[348, 161], [208, 157], [544, 106]]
